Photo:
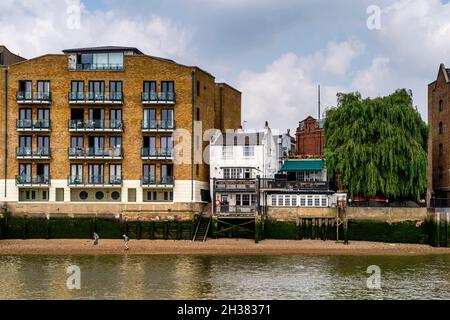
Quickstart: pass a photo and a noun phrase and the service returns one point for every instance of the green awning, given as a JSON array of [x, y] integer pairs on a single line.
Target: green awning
[[303, 165]]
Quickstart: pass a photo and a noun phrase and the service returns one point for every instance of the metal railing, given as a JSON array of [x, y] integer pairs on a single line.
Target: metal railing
[[158, 125], [235, 184], [34, 97], [294, 185], [94, 180], [95, 125], [158, 97], [96, 97], [100, 66], [229, 209], [157, 153], [28, 152], [27, 124], [29, 180], [95, 152], [153, 181]]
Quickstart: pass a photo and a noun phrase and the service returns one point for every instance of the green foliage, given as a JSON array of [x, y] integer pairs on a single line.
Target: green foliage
[[378, 146]]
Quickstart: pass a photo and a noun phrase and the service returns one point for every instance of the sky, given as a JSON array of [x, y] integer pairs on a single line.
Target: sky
[[276, 52]]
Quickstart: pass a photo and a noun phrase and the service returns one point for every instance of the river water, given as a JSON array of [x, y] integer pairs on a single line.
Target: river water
[[225, 277]]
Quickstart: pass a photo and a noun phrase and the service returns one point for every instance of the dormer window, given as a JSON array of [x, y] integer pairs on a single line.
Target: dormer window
[[100, 61]]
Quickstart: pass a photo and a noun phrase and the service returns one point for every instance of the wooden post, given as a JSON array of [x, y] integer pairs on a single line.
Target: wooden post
[[345, 230], [214, 227], [437, 226]]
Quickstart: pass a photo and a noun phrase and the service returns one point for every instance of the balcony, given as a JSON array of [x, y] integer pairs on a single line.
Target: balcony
[[236, 185], [28, 97], [29, 181], [157, 154], [158, 126], [115, 98], [153, 182], [158, 98], [94, 181], [273, 184], [30, 126], [95, 126], [29, 153], [95, 153], [225, 209], [99, 66]]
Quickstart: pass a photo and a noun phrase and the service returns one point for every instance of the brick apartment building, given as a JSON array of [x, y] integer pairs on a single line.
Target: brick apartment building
[[310, 137], [95, 126], [439, 138]]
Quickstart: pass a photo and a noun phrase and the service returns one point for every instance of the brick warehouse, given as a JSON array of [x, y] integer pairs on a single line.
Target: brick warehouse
[[92, 128], [439, 143], [310, 137]]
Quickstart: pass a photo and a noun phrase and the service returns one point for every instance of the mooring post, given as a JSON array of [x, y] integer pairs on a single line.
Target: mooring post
[[437, 226]]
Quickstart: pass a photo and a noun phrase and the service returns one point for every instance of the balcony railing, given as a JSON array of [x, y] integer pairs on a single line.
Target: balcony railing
[[96, 98], [29, 125], [294, 185], [158, 97], [239, 210], [99, 66], [152, 181], [34, 97], [95, 125], [94, 180], [158, 126], [236, 185], [157, 153], [29, 153], [22, 180], [95, 153]]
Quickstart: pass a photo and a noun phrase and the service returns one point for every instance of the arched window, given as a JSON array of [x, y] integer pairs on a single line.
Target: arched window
[[441, 129], [441, 105]]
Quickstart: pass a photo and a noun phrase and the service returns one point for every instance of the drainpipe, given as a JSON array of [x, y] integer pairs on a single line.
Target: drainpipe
[[6, 130], [192, 136], [221, 108]]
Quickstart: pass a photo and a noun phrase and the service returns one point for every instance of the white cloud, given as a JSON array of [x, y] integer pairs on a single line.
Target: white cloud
[[286, 91], [29, 29], [376, 80]]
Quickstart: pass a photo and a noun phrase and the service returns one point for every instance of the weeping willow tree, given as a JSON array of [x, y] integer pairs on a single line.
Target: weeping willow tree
[[377, 146]]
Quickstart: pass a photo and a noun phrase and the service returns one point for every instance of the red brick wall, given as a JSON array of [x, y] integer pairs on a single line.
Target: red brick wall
[[310, 140]]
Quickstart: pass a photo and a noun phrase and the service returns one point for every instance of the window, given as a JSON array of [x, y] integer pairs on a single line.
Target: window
[[83, 195], [198, 114], [99, 195], [317, 201], [43, 117], [150, 86], [441, 129], [309, 201], [44, 194], [167, 86], [115, 90], [287, 201], [76, 173], [43, 146], [227, 152], [100, 61], [149, 171], [25, 172], [25, 90], [197, 169], [115, 173], [294, 200], [168, 196], [198, 88], [43, 90], [441, 149], [25, 118], [302, 201], [96, 174], [167, 119], [115, 195], [249, 151], [167, 173], [274, 200], [59, 194], [96, 90], [131, 194], [152, 196], [115, 142], [115, 119], [324, 201], [441, 172], [441, 105], [232, 173]]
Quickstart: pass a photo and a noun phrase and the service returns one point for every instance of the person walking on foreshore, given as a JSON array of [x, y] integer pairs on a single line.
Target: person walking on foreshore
[[96, 238], [126, 239]]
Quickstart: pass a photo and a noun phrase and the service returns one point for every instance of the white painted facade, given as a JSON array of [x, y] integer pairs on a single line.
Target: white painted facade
[[261, 155]]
